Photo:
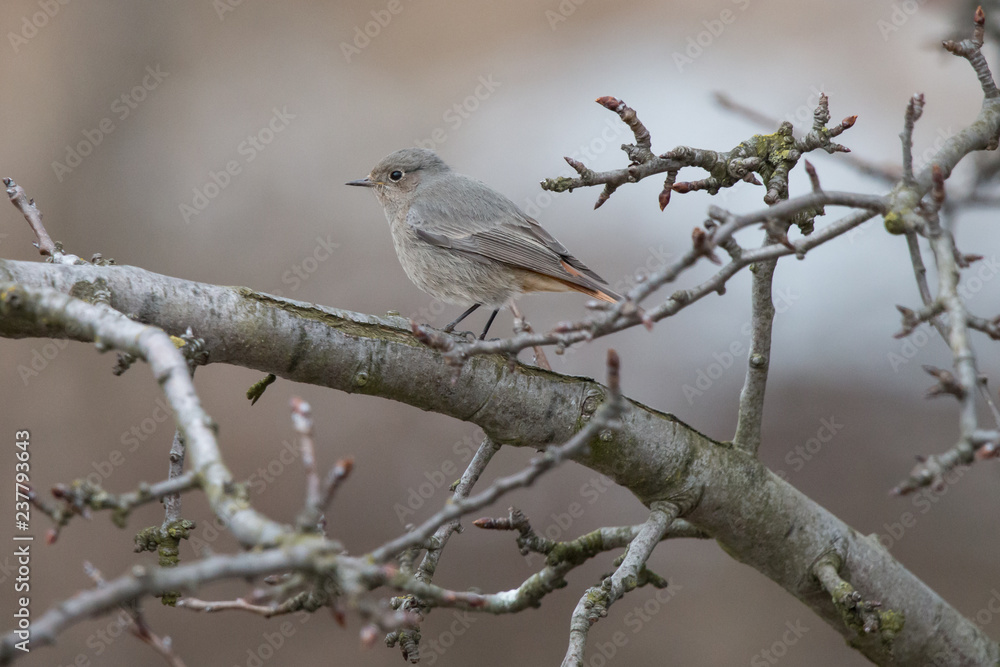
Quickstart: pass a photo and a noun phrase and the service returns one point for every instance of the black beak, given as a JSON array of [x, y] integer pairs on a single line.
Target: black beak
[[362, 182]]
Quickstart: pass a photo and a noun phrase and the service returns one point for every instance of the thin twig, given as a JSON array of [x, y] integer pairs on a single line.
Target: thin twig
[[409, 638], [913, 112], [137, 622], [146, 581], [596, 601], [964, 382], [334, 478], [81, 496], [487, 449], [239, 604], [865, 614], [172, 501], [521, 325], [561, 558], [27, 206], [302, 423], [920, 275]]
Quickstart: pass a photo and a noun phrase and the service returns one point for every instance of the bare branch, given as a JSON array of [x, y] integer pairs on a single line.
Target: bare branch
[[312, 509], [751, 411], [487, 449], [172, 501], [971, 50], [81, 496], [334, 478], [239, 604], [409, 639], [920, 274], [913, 112], [138, 626], [148, 581], [531, 542], [34, 217], [22, 304], [561, 558], [914, 318], [813, 176], [596, 601], [865, 615], [882, 172], [628, 116], [964, 383]]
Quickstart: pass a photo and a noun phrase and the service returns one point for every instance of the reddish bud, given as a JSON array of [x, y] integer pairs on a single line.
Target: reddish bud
[[664, 198], [576, 164], [610, 103]]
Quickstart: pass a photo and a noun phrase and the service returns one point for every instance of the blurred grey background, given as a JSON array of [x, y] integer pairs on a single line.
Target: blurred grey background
[[121, 119]]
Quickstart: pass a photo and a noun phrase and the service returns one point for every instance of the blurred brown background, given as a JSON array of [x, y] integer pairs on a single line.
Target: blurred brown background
[[503, 90]]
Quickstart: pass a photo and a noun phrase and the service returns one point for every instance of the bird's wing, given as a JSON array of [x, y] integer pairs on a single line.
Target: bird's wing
[[483, 223]]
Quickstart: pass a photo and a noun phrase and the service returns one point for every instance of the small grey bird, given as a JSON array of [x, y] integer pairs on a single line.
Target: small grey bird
[[466, 244]]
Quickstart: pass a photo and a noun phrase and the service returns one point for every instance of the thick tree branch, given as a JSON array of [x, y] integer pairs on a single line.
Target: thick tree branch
[[605, 419], [757, 517]]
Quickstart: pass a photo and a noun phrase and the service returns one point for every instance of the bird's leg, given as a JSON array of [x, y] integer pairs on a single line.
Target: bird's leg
[[451, 327], [489, 323]]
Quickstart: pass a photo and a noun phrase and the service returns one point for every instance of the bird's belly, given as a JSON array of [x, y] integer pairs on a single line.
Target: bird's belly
[[453, 277]]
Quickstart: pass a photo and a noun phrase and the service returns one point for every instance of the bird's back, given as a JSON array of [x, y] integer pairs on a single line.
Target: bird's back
[[466, 215]]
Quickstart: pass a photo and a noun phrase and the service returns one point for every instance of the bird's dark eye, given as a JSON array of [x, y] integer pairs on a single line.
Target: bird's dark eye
[[396, 175]]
